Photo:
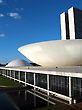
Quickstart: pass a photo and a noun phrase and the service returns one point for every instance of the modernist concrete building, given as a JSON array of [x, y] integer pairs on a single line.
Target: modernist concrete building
[[60, 52], [54, 53], [71, 24], [62, 82], [17, 62]]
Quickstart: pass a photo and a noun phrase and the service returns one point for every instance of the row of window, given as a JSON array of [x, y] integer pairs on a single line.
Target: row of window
[[59, 84]]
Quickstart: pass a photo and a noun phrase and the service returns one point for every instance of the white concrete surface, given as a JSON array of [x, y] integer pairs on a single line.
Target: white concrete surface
[[54, 53]]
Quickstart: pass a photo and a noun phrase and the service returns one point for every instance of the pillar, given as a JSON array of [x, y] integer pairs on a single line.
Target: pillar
[[7, 73], [14, 75], [10, 74], [1, 72], [70, 89], [25, 78], [48, 83], [34, 81], [19, 76]]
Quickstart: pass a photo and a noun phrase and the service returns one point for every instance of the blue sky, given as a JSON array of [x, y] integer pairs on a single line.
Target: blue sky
[[26, 21]]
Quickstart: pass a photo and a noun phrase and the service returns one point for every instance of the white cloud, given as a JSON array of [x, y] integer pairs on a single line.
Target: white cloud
[[19, 9], [14, 15], [1, 15], [1, 1], [2, 35]]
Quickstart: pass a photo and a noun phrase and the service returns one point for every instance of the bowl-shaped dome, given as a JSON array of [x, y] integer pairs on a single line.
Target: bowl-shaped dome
[[17, 62], [54, 53]]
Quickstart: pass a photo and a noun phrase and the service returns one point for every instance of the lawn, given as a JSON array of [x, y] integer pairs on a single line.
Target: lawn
[[5, 82]]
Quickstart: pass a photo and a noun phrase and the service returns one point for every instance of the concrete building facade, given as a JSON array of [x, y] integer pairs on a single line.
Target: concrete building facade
[[71, 24]]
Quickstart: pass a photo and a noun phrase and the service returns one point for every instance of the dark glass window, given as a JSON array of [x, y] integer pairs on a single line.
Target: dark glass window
[[41, 80]]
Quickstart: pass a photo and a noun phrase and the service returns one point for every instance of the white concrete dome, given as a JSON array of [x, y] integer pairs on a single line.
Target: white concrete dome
[[54, 53], [17, 62]]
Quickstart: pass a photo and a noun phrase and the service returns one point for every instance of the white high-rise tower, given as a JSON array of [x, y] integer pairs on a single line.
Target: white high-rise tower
[[71, 24]]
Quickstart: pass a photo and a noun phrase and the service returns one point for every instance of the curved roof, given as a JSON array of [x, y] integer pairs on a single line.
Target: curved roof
[[54, 53], [17, 62]]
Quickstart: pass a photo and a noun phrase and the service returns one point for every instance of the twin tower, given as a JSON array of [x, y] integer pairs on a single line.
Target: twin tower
[[71, 24]]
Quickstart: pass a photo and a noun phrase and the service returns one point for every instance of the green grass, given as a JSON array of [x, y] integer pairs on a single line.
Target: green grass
[[5, 82]]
